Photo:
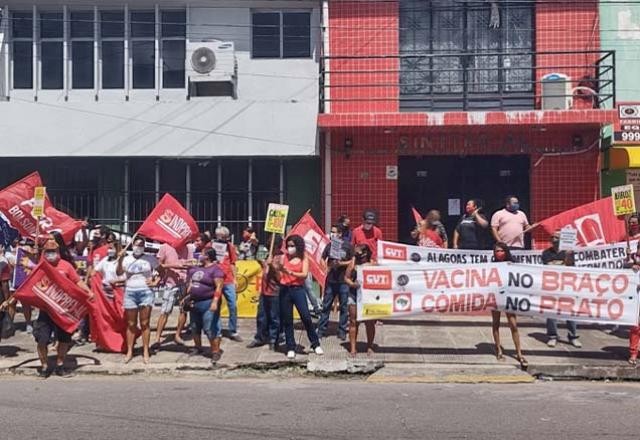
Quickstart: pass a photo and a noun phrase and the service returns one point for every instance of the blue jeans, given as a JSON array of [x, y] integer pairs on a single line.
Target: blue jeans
[[552, 329], [268, 319], [229, 293], [296, 296], [330, 292], [203, 319]]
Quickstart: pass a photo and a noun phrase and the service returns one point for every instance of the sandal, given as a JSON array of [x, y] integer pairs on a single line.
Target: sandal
[[500, 356], [633, 361], [523, 362]]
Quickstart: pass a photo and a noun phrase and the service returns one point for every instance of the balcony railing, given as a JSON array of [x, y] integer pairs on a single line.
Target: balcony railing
[[437, 82]]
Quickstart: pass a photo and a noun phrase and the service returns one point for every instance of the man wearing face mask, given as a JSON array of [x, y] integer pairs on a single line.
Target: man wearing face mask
[[45, 326], [368, 233], [336, 261], [227, 256], [554, 256], [509, 224], [634, 227]]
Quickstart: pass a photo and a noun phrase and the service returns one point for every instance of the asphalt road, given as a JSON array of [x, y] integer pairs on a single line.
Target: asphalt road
[[138, 408]]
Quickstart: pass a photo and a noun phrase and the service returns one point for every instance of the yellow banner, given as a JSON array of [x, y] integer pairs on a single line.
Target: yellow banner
[[623, 200], [248, 279], [39, 194]]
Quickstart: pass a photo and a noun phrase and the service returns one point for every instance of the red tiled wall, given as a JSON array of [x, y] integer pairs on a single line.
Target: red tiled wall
[[557, 183], [571, 26], [363, 29]]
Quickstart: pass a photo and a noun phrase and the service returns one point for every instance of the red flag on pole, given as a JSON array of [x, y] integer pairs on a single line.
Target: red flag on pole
[[108, 323], [16, 203], [315, 242], [61, 298], [596, 223], [416, 215], [170, 223]]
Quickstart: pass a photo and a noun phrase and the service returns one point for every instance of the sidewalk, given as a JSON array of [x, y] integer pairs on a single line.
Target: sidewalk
[[438, 349]]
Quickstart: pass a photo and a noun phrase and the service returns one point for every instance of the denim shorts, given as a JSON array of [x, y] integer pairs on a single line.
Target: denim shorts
[[352, 300], [203, 319], [138, 298]]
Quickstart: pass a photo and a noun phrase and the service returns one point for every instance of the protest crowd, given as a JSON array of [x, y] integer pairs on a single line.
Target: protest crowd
[[78, 283]]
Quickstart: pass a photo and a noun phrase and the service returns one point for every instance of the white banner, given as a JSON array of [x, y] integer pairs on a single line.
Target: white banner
[[611, 256], [579, 294]]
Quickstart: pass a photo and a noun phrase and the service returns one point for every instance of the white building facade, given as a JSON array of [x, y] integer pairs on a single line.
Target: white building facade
[[215, 102]]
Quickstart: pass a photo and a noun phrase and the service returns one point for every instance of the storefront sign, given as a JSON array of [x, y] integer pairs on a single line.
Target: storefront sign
[[627, 126]]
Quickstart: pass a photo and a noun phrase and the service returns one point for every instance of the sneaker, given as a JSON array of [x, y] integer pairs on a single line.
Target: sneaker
[[236, 337], [61, 371], [255, 343], [291, 354], [29, 329], [44, 372], [576, 343], [215, 357], [552, 342], [318, 350]]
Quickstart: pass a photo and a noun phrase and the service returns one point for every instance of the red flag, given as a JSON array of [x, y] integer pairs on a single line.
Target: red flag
[[315, 242], [61, 298], [169, 223], [416, 215], [108, 323], [16, 203], [595, 222]]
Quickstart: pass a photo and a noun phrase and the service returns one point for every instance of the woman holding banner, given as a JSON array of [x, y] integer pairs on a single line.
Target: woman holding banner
[[138, 296], [294, 271], [501, 253], [362, 257]]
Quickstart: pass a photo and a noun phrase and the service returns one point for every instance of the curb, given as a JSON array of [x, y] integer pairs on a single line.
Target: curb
[[585, 372], [450, 373]]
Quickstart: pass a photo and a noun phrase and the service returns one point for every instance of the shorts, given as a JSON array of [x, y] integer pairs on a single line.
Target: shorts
[[169, 295], [44, 327], [352, 299], [134, 299], [203, 319]]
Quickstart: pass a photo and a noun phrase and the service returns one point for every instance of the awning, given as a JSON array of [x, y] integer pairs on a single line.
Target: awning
[[624, 157]]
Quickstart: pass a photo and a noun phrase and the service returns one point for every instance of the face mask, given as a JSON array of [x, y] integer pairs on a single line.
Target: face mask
[[202, 261], [633, 229], [514, 207], [361, 258], [500, 256], [138, 251], [334, 235], [111, 253], [51, 257], [291, 250]]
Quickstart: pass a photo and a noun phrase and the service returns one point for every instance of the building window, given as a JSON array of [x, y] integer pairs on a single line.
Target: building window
[[51, 52], [281, 34], [174, 32], [82, 56], [112, 33], [143, 53], [22, 51]]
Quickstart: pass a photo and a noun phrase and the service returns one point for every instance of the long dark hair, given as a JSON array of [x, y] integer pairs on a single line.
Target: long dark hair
[[507, 252], [62, 247], [298, 242]]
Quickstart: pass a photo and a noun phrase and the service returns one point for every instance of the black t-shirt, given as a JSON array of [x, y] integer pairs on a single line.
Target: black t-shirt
[[336, 275], [552, 256], [469, 233]]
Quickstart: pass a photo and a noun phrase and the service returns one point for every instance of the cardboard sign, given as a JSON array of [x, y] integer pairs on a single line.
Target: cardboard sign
[[335, 252], [623, 200], [39, 194], [276, 222], [568, 238]]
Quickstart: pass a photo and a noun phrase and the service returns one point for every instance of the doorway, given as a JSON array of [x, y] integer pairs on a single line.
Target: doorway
[[446, 183]]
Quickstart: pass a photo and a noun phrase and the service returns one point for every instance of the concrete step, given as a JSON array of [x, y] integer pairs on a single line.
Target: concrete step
[[448, 373]]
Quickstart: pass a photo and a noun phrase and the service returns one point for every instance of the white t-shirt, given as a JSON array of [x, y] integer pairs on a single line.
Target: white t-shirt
[[107, 269], [138, 271]]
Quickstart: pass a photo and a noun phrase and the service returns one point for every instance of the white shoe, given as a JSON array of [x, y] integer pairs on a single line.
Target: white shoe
[[552, 342], [318, 350], [29, 329], [576, 343], [291, 354]]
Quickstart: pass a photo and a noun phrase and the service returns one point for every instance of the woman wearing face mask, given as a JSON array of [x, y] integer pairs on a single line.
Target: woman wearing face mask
[[138, 296], [204, 289], [501, 253], [294, 270], [345, 222], [362, 257], [107, 270]]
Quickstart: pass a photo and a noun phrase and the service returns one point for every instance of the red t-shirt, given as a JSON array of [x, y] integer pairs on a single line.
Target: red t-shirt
[[97, 254], [370, 238], [290, 280], [66, 269], [430, 238]]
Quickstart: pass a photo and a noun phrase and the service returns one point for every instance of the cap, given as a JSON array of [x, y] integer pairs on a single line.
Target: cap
[[369, 217]]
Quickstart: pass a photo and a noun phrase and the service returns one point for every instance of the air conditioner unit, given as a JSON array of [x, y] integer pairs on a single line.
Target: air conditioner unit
[[212, 68], [556, 92]]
